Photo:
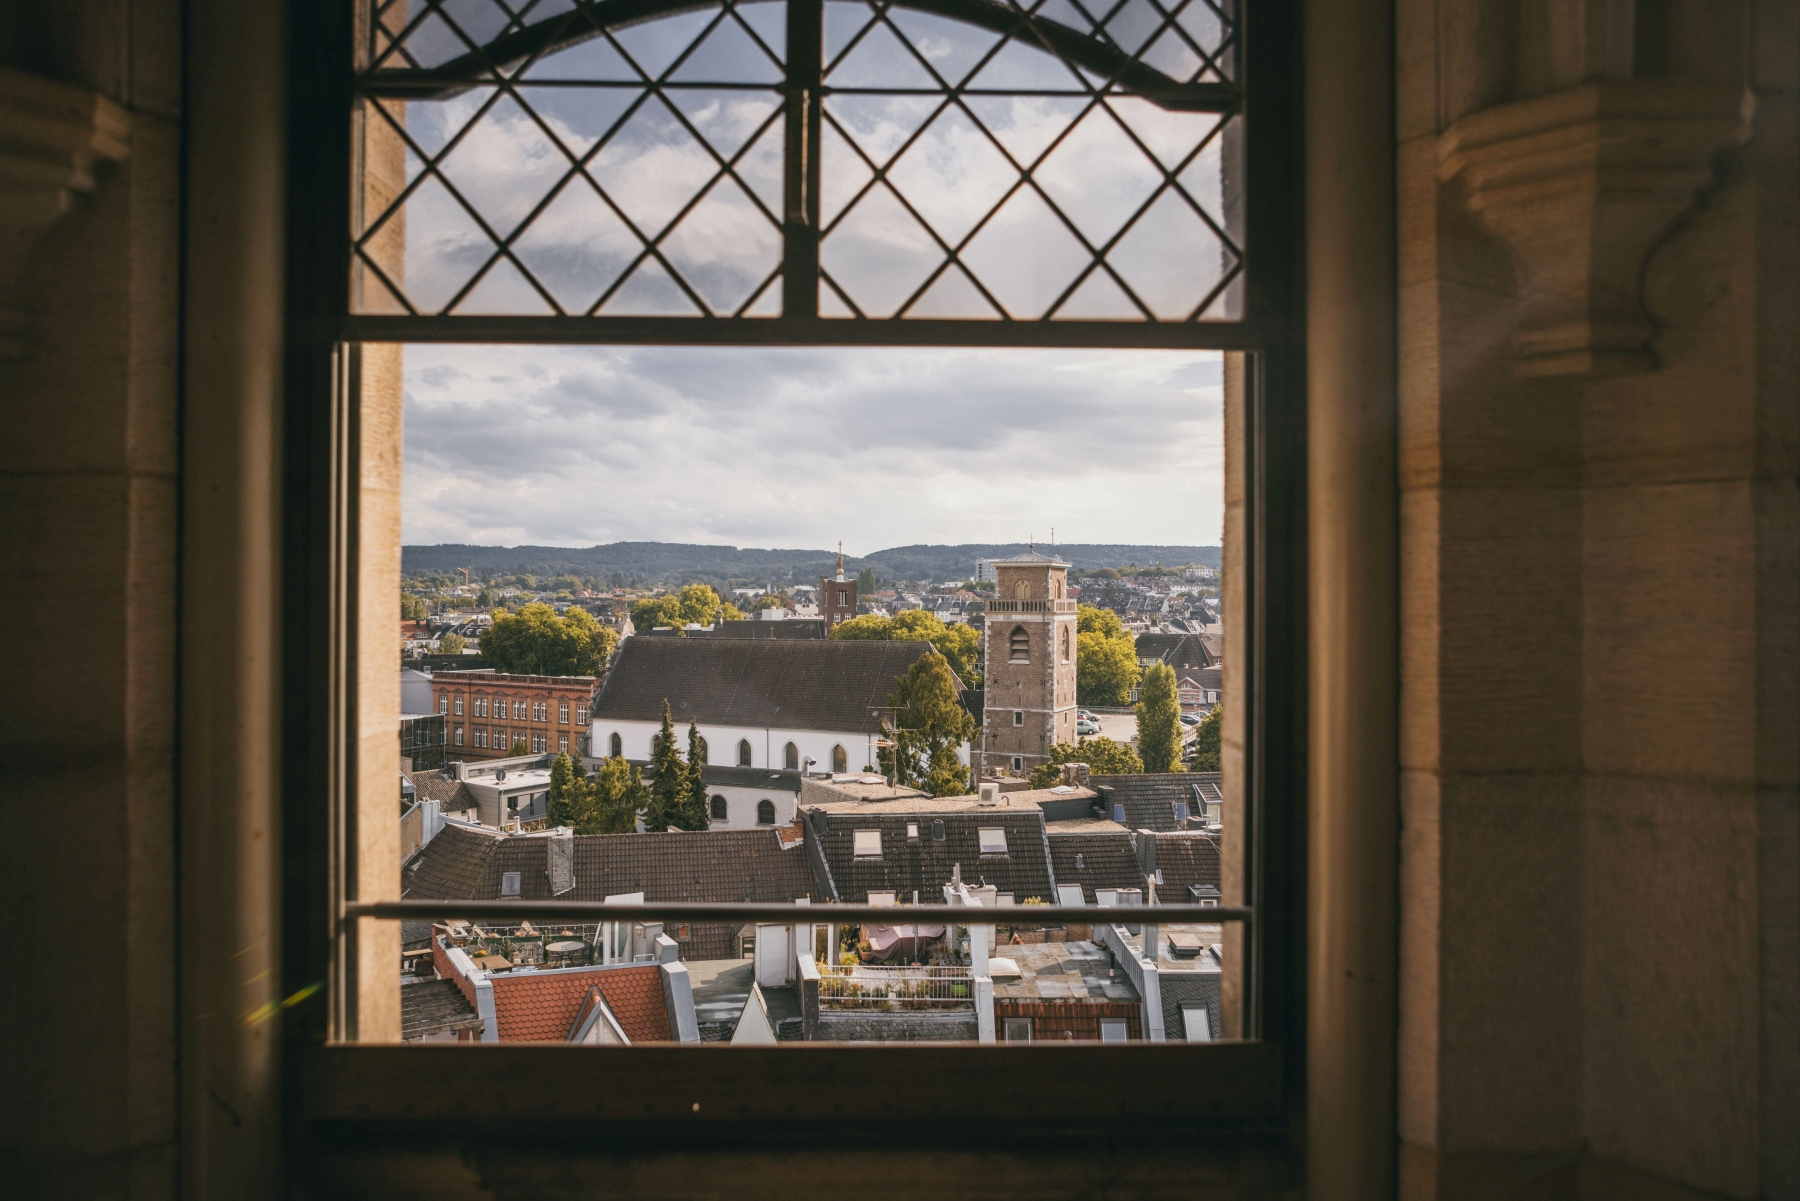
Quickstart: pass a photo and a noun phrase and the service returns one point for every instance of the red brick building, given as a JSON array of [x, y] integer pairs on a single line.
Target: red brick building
[[485, 712], [837, 597]]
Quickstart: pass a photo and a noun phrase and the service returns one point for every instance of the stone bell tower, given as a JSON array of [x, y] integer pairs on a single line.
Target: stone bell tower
[[1028, 665]]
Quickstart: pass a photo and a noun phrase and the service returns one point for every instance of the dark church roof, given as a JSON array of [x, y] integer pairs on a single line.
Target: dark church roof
[[809, 628], [1180, 651], [803, 685]]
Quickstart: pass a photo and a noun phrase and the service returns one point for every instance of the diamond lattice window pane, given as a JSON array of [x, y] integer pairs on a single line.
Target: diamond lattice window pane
[[578, 117], [503, 292], [1027, 125], [650, 292], [725, 248], [1025, 255], [445, 247], [728, 55], [950, 48], [504, 165], [593, 60], [1171, 259], [653, 167], [577, 247], [655, 45], [879, 254], [880, 124], [953, 296], [953, 175], [726, 119], [1097, 177]]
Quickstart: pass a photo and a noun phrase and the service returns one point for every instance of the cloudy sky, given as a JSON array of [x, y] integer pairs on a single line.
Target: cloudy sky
[[572, 446]]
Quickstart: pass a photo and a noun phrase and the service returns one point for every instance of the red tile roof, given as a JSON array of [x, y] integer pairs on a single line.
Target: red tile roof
[[539, 1007]]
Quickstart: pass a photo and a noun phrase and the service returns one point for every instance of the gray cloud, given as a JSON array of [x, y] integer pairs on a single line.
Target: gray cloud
[[800, 447]]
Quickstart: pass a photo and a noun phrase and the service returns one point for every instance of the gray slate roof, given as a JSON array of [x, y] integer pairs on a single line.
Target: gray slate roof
[[926, 864], [1106, 861], [792, 629], [1150, 799], [433, 1008], [462, 863], [1180, 651], [794, 684]]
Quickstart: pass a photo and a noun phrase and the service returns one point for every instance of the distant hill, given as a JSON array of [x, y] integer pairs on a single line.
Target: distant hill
[[680, 563]]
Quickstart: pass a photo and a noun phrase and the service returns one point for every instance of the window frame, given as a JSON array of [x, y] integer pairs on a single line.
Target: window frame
[[339, 1085]]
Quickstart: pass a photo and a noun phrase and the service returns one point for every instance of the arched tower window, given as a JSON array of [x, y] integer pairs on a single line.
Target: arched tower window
[[1065, 644], [719, 811], [840, 760], [1021, 591], [765, 813], [705, 752], [618, 747], [1020, 651], [743, 752], [790, 757]]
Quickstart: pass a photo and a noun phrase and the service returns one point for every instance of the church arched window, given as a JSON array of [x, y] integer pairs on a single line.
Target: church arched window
[[1020, 651], [743, 752], [840, 760], [1021, 591], [719, 810], [618, 747], [765, 813], [790, 757]]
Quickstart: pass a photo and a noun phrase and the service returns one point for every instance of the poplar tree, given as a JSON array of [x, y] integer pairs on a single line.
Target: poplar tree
[[932, 728], [618, 794], [695, 814], [1159, 720]]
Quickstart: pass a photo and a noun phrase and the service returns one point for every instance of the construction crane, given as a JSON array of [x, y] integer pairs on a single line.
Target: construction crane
[[465, 572]]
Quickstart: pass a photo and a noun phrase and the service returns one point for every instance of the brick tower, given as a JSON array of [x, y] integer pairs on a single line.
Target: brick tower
[[1028, 664], [837, 598]]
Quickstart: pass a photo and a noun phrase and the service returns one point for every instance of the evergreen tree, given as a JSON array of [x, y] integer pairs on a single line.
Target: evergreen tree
[[865, 583], [695, 814], [617, 794], [1207, 737], [933, 726], [568, 792], [669, 790], [1159, 720]]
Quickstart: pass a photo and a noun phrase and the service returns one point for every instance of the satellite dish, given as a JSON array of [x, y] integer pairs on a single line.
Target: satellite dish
[[500, 775]]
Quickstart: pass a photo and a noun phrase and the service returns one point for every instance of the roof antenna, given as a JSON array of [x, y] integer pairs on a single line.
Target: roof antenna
[[840, 578]]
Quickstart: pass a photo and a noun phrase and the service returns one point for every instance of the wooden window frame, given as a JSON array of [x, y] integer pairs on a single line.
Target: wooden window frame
[[1254, 1088]]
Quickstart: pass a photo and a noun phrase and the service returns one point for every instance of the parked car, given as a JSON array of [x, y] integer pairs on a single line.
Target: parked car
[[1086, 729], [1084, 715], [1188, 719]]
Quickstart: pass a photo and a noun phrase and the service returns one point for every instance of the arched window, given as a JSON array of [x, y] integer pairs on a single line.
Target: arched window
[[705, 752], [618, 746], [1021, 591], [743, 752], [790, 757], [1021, 646], [765, 812], [840, 760], [719, 812], [1065, 644]]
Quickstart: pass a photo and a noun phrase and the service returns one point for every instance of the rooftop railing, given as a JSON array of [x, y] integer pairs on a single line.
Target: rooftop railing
[[1031, 606], [883, 987]]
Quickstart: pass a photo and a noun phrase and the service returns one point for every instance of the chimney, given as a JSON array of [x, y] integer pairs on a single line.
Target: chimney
[[562, 861], [1075, 775]]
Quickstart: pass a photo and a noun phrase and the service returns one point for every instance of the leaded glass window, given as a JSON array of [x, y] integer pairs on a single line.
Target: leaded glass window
[[801, 165]]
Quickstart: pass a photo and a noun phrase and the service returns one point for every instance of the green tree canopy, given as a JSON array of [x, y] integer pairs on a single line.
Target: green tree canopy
[[568, 792], [452, 644], [695, 812], [535, 641], [1090, 620], [932, 727], [412, 608], [1159, 720], [866, 584], [618, 795], [696, 603], [1106, 669], [1103, 756], [1207, 738], [959, 644], [517, 749]]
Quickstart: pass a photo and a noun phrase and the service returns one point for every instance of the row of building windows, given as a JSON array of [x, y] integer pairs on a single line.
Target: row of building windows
[[790, 754], [866, 844], [521, 710], [500, 740]]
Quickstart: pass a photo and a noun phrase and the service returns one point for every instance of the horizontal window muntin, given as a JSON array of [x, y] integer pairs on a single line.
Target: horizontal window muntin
[[796, 914]]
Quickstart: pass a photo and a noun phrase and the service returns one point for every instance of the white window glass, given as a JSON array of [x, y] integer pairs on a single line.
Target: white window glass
[[867, 842], [459, 706], [993, 842], [458, 735], [1196, 1025], [1015, 1030], [1114, 1031]]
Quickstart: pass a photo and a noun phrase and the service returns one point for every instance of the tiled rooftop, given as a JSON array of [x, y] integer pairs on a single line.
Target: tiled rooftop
[[542, 1006]]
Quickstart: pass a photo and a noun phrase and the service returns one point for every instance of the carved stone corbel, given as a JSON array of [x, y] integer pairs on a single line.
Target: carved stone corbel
[[1580, 185], [52, 135]]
